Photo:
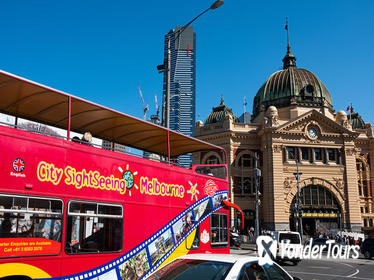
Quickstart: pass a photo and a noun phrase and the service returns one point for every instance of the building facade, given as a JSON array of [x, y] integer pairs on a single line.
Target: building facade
[[182, 83], [107, 145], [294, 128]]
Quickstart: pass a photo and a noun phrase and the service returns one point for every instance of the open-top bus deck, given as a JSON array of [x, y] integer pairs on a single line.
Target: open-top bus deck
[[72, 210]]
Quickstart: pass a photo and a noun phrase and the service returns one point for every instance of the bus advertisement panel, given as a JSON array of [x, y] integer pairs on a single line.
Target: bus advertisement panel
[[79, 212]]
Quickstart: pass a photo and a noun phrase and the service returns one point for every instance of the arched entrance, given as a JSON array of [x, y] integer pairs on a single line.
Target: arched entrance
[[320, 211]]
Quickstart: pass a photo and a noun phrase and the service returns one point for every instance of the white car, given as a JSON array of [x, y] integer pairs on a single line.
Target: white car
[[219, 267], [288, 241]]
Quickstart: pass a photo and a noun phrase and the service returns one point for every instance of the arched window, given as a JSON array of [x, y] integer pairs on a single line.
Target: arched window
[[243, 178], [317, 202], [362, 177], [243, 185], [212, 160], [245, 161], [317, 196]]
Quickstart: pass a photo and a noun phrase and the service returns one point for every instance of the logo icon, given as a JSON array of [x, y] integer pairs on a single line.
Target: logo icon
[[18, 165], [210, 188], [204, 237], [127, 174], [267, 249]]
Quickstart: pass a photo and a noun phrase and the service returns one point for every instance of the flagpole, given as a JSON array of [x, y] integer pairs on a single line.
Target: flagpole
[[244, 105], [288, 36]]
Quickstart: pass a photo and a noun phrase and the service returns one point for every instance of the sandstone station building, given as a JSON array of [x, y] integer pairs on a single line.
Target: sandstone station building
[[294, 126]]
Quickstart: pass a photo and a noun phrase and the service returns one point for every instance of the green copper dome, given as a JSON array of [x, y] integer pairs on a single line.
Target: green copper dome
[[357, 121], [219, 114], [291, 85]]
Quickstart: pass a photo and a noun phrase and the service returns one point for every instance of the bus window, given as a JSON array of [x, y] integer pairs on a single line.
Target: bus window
[[219, 230], [218, 171], [36, 220], [93, 227]]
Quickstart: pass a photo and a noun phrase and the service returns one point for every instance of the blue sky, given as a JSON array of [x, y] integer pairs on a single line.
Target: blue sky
[[101, 50]]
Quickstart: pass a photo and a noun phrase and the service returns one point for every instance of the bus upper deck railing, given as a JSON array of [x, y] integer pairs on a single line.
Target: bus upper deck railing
[[58, 109], [77, 140], [217, 171]]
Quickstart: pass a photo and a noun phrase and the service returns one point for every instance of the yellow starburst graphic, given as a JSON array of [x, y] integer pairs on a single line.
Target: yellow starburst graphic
[[193, 191]]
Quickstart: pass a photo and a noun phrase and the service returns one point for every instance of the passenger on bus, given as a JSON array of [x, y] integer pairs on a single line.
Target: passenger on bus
[[50, 228], [209, 172], [24, 228], [27, 232], [56, 234], [76, 139], [6, 227], [94, 242], [87, 138]]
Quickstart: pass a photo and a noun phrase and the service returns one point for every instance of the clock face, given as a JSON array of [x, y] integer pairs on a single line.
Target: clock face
[[312, 132]]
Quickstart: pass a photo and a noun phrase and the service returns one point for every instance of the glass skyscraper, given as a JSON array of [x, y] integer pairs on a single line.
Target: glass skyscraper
[[182, 83]]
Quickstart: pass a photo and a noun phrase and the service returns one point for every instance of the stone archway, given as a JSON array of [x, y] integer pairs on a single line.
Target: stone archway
[[209, 154], [240, 154], [291, 190], [323, 205]]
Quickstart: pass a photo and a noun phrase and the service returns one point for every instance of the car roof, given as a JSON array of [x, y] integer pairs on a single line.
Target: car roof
[[289, 232], [230, 258], [236, 260]]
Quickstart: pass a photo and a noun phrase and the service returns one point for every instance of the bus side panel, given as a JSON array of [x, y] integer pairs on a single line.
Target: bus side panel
[[153, 195], [141, 222], [30, 153]]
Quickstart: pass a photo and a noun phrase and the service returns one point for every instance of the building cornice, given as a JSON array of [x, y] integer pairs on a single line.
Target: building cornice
[[298, 127]]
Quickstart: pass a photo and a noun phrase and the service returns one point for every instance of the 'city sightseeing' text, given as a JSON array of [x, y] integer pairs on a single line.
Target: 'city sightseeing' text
[[47, 172]]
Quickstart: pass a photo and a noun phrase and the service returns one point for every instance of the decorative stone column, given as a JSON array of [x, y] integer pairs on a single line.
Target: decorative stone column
[[230, 160], [281, 220], [371, 175], [273, 193], [267, 197], [353, 215]]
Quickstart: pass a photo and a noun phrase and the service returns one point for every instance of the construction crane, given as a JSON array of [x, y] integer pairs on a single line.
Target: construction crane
[[145, 107]]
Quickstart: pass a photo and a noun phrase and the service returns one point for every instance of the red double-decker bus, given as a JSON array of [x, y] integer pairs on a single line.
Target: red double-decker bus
[[73, 210]]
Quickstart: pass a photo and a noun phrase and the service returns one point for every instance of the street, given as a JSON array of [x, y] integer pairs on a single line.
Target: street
[[332, 269], [324, 269]]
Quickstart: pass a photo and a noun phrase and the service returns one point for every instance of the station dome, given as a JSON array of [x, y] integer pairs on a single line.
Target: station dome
[[219, 114], [291, 85]]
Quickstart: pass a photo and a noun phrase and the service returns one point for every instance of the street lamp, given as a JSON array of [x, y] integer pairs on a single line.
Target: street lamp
[[166, 66], [298, 200], [256, 176]]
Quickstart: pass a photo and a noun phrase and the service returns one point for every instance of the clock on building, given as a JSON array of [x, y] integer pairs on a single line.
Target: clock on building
[[312, 132]]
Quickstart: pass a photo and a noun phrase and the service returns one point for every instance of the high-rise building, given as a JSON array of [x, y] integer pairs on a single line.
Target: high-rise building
[[156, 120], [107, 145], [182, 83]]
